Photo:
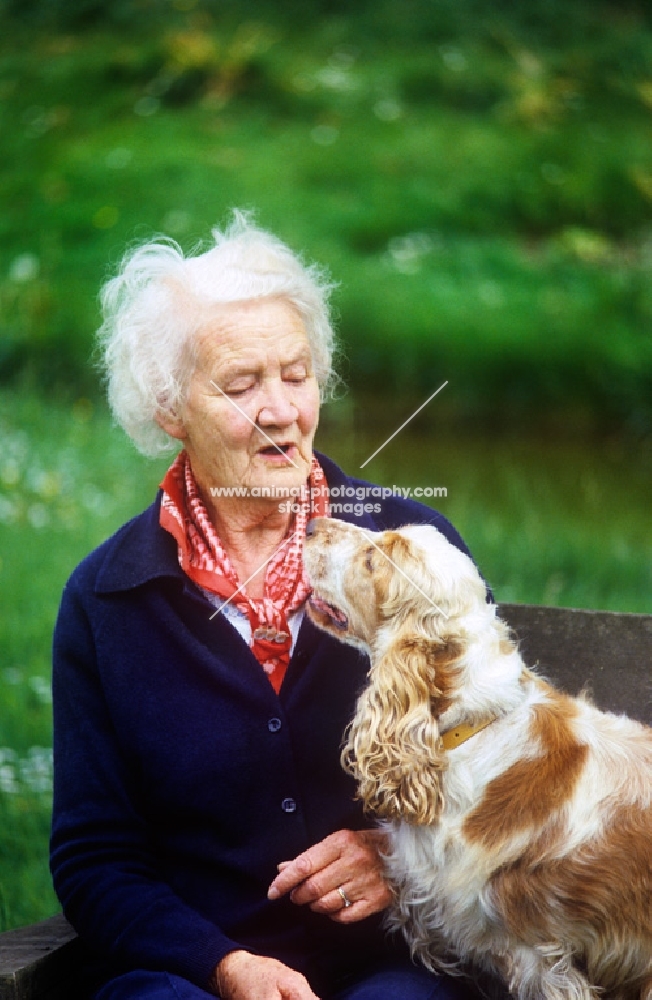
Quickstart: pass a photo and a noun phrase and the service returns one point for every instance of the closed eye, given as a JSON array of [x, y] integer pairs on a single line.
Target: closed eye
[[237, 392], [295, 373], [237, 386]]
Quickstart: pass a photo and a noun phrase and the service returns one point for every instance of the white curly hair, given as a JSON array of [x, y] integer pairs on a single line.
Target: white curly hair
[[155, 305]]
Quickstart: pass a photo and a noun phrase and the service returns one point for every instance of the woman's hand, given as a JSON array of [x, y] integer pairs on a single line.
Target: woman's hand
[[243, 976], [347, 860]]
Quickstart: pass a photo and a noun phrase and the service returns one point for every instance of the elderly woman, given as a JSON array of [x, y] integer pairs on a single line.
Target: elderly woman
[[205, 838]]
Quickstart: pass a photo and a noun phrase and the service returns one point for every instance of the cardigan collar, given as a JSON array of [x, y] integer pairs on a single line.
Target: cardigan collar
[[142, 551]]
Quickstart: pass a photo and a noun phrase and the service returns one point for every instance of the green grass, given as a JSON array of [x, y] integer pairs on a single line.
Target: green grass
[[549, 522], [66, 480]]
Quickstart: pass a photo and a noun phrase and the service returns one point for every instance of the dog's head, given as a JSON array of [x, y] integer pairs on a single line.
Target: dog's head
[[367, 583], [402, 596]]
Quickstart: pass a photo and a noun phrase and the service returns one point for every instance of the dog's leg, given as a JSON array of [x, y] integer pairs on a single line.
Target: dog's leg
[[546, 971]]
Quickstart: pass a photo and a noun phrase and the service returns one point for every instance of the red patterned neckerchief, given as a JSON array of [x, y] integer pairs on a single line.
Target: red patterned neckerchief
[[203, 558]]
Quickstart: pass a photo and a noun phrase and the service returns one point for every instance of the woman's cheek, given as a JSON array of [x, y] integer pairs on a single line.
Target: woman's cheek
[[308, 406], [237, 426]]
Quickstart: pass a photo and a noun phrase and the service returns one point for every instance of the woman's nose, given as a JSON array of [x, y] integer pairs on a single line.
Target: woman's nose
[[278, 409]]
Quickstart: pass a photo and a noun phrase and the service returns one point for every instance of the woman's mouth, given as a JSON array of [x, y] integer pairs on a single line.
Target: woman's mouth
[[280, 453]]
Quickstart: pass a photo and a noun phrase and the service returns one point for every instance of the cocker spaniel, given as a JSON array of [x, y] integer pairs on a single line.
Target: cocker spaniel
[[519, 819]]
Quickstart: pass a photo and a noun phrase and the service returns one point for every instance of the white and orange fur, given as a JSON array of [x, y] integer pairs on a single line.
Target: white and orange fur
[[527, 849]]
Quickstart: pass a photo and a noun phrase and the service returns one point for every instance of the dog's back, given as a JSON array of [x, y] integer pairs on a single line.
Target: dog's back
[[541, 866]]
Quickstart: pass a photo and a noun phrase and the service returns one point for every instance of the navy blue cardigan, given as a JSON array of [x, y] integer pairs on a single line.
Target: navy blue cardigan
[[182, 778]]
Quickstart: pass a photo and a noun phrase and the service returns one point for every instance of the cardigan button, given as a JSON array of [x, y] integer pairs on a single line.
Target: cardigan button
[[274, 725], [288, 805]]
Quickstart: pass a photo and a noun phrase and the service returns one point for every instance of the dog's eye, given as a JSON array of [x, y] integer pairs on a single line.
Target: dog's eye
[[368, 559]]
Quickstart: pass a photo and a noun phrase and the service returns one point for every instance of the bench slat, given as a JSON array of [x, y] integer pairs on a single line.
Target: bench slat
[[39, 962], [607, 652]]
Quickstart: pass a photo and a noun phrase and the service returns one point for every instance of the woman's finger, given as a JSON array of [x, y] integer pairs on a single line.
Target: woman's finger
[[344, 856], [293, 873]]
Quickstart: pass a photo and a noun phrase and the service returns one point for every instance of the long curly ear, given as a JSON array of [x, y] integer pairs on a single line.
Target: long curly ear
[[392, 745]]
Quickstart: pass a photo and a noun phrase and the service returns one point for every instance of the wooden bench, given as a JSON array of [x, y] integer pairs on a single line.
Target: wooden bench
[[610, 654]]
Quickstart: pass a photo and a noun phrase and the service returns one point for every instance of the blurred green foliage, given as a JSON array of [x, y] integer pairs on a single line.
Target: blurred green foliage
[[478, 176]]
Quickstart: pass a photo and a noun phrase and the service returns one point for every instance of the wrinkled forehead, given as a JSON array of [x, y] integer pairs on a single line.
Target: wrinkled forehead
[[250, 334]]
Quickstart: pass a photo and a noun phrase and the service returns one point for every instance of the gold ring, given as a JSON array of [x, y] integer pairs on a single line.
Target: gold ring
[[345, 899]]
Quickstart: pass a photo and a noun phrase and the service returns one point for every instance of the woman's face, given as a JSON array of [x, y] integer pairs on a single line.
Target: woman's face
[[253, 388]]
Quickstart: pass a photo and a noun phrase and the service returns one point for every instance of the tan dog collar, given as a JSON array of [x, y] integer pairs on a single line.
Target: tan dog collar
[[460, 734]]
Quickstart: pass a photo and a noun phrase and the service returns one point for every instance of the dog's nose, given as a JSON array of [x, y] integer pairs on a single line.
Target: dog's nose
[[311, 527]]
